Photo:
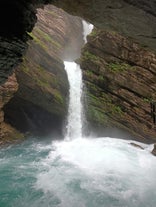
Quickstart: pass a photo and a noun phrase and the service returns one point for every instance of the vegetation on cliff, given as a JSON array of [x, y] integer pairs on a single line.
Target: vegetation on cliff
[[40, 104], [120, 80], [119, 74]]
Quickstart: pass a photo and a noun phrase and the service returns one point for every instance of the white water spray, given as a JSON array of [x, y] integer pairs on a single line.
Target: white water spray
[[101, 172]]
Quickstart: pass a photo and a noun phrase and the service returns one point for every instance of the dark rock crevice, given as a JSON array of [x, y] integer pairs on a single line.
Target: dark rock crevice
[[11, 52], [32, 119]]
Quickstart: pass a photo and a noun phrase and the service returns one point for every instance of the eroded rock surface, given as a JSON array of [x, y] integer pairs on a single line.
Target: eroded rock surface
[[40, 104], [132, 18], [120, 78], [7, 90]]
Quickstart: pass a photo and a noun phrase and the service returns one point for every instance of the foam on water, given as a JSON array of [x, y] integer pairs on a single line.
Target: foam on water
[[97, 172], [103, 172], [100, 172]]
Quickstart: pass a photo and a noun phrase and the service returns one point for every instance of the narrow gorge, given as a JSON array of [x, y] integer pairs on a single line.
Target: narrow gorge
[[115, 106], [39, 106], [78, 103]]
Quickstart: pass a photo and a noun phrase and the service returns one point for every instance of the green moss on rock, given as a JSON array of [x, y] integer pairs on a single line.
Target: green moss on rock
[[89, 56], [119, 67], [100, 108], [47, 37], [10, 134]]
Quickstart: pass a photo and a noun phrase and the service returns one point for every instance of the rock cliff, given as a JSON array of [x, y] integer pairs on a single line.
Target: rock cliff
[[135, 19], [40, 103], [120, 77], [131, 18], [7, 90]]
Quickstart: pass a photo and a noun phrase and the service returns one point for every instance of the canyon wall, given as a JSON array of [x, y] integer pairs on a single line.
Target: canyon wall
[[7, 91], [120, 80], [135, 19], [115, 54], [39, 106]]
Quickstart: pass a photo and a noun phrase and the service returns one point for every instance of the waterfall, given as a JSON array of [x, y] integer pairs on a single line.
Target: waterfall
[[87, 29], [74, 121], [96, 172], [75, 108]]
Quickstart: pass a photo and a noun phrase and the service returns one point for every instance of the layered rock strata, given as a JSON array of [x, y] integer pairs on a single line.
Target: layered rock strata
[[40, 104], [120, 77], [7, 90], [135, 19], [131, 18]]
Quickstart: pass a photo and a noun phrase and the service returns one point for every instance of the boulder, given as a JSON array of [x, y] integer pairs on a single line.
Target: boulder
[[154, 150]]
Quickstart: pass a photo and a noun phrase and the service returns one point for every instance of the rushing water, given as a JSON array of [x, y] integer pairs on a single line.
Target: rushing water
[[101, 172], [87, 29], [77, 172], [74, 122]]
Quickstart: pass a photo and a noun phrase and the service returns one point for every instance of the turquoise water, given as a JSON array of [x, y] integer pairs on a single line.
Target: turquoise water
[[101, 172]]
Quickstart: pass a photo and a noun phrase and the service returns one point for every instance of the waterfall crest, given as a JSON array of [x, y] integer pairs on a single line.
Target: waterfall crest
[[87, 29]]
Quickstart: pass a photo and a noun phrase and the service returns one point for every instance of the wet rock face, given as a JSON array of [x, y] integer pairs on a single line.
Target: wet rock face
[[154, 150], [136, 19], [61, 31], [11, 52], [22, 13], [40, 104], [7, 90], [121, 82], [17, 17], [41, 97], [148, 6]]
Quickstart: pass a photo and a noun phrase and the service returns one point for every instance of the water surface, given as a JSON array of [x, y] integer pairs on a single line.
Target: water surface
[[101, 172]]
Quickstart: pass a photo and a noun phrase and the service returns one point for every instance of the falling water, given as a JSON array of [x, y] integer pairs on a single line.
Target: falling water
[[87, 28], [74, 122], [96, 172], [75, 110]]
